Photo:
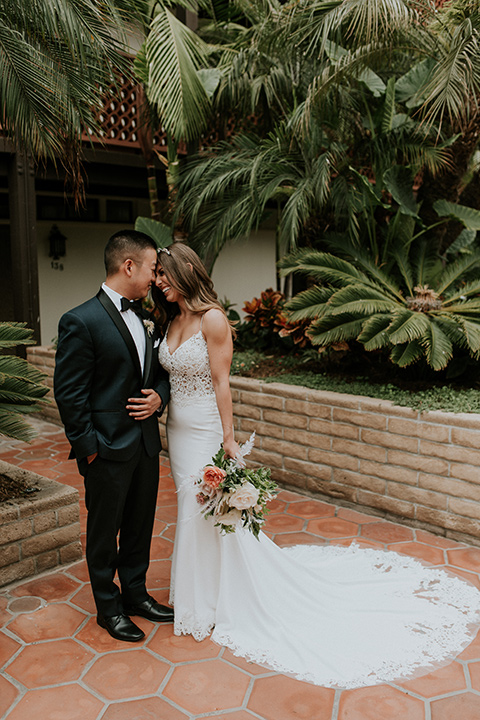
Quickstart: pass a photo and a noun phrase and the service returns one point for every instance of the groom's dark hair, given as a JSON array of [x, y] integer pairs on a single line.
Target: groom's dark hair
[[125, 244]]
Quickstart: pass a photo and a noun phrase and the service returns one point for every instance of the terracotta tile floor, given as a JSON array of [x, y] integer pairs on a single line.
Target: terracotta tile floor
[[57, 664]]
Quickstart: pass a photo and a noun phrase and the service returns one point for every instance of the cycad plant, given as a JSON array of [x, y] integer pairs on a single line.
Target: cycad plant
[[411, 303], [21, 385]]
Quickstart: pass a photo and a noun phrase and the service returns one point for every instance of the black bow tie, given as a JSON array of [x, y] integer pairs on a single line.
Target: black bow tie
[[135, 305]]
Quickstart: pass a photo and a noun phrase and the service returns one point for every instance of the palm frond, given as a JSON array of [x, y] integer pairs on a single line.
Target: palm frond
[[14, 426], [374, 332], [332, 329], [359, 299], [407, 353], [175, 54], [407, 326], [456, 270], [437, 346], [13, 334], [309, 303]]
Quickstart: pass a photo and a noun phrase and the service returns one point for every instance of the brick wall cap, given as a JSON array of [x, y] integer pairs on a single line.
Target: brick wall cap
[[51, 494]]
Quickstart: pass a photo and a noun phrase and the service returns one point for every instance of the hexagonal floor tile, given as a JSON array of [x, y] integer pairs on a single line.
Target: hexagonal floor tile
[[84, 599], [458, 707], [474, 669], [167, 497], [50, 588], [240, 662], [472, 652], [126, 674], [333, 527], [68, 702], [283, 523], [436, 540], [379, 702], [8, 648], [158, 575], [283, 698], [168, 513], [276, 505], [472, 578], [8, 693], [309, 509], [386, 532], [468, 558], [444, 680], [181, 648], [298, 538], [50, 663], [355, 516], [430, 554], [361, 542], [152, 708], [80, 571], [161, 548], [235, 715], [51, 622], [207, 686]]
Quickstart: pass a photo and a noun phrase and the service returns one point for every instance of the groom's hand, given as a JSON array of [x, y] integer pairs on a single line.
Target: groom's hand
[[142, 408]]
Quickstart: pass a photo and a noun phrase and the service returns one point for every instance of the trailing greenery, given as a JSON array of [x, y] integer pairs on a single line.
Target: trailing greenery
[[21, 385]]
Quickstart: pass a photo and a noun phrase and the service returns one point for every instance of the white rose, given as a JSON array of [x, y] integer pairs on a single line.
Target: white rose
[[245, 497], [230, 518]]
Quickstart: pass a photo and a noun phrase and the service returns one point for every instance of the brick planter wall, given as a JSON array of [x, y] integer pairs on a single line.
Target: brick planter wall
[[419, 468], [40, 531]]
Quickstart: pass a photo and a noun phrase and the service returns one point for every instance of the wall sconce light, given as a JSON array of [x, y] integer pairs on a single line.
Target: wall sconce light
[[56, 240]]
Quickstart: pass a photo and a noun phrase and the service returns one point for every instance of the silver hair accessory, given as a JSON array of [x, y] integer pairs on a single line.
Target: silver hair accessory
[[165, 250]]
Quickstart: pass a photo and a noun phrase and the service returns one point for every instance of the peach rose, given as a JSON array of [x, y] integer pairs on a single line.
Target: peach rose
[[213, 476], [245, 497]]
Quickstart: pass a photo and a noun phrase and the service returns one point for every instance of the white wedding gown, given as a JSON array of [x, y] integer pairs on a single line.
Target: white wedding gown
[[333, 616]]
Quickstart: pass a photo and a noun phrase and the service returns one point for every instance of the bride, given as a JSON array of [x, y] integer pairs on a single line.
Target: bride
[[333, 616]]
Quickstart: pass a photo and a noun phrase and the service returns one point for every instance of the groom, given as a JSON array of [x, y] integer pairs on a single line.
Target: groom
[[109, 388]]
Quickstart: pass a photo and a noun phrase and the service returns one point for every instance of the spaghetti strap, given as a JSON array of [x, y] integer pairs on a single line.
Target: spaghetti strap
[[201, 321]]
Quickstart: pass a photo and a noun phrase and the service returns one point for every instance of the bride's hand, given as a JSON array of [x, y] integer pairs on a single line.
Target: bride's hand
[[232, 448]]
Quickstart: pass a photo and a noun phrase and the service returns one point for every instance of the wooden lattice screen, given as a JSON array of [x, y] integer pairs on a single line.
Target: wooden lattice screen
[[120, 118]]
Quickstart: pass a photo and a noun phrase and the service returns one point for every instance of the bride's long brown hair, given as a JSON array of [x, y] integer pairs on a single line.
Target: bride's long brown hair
[[188, 275]]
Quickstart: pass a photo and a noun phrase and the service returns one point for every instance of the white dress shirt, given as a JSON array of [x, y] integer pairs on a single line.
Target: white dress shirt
[[132, 321]]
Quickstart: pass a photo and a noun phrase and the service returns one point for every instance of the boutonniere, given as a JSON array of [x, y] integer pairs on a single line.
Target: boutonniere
[[149, 327]]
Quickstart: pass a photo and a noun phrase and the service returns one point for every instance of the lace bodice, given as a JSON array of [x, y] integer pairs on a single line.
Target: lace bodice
[[189, 369]]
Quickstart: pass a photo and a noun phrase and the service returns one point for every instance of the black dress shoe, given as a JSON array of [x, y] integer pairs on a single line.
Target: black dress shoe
[[151, 609], [121, 628]]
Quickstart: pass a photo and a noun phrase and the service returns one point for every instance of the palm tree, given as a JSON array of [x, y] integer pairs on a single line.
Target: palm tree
[[441, 48], [57, 60]]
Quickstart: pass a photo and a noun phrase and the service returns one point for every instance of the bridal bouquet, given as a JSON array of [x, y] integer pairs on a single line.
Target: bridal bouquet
[[231, 493]]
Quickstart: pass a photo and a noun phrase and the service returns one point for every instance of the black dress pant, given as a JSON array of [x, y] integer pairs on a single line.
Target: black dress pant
[[121, 501]]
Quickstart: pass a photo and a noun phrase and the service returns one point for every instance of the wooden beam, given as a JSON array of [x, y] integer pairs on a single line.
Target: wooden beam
[[23, 239]]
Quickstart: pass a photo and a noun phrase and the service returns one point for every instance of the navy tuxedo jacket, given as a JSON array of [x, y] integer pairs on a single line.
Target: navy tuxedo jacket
[[97, 369]]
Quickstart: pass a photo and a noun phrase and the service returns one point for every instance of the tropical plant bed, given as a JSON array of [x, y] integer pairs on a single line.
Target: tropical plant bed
[[362, 375]]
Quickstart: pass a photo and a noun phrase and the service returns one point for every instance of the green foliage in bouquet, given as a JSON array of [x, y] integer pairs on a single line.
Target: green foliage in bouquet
[[233, 494]]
